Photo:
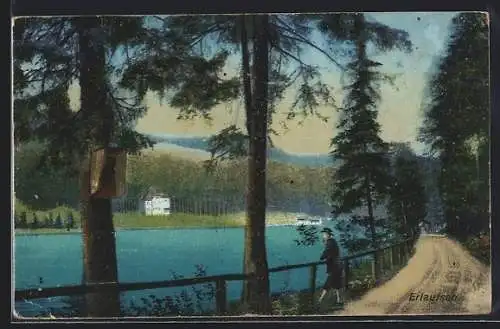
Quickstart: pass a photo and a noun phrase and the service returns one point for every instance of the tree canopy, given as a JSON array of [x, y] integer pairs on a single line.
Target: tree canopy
[[456, 125]]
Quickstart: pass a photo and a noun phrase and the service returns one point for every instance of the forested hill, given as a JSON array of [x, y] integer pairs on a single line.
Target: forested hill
[[430, 167], [291, 187], [275, 154]]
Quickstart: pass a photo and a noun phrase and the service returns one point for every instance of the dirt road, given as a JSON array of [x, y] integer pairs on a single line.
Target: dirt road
[[441, 278]]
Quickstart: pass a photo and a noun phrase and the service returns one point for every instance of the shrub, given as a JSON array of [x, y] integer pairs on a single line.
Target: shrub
[[58, 223], [16, 220], [51, 219], [183, 303], [359, 286], [479, 246], [46, 223], [23, 220], [71, 221], [35, 223]]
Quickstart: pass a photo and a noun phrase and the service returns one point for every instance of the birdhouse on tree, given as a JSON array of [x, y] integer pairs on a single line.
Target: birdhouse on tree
[[108, 172]]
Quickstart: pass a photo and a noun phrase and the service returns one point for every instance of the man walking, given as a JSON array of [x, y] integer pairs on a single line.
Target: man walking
[[331, 255]]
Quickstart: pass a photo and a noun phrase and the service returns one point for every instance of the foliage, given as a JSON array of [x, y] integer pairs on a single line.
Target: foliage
[[199, 302], [201, 51], [308, 235], [480, 246], [408, 202], [359, 286], [46, 64], [195, 300], [21, 222], [45, 187], [35, 223], [363, 179], [288, 185], [456, 126], [132, 220]]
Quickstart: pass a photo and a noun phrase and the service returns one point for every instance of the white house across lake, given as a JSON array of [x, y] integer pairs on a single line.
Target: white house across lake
[[155, 206]]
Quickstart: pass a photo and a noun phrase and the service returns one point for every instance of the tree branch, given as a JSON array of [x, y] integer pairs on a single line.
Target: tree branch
[[300, 38]]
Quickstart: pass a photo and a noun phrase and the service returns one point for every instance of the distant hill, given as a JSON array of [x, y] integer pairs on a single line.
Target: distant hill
[[199, 146], [196, 147]]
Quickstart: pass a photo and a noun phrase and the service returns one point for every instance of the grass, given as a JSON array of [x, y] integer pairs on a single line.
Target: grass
[[479, 247], [285, 302], [141, 221], [300, 303], [176, 220]]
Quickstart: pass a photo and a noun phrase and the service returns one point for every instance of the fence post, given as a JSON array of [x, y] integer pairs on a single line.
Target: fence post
[[346, 274], [220, 296], [312, 279]]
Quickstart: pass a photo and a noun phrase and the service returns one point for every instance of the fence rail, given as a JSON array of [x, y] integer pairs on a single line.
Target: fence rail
[[390, 256]]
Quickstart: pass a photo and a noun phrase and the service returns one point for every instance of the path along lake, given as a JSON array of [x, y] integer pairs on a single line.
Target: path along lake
[[154, 255]]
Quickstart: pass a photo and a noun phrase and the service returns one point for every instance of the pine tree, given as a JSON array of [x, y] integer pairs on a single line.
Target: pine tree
[[58, 222], [363, 179], [49, 55], [456, 124], [435, 211], [35, 223], [46, 222], [23, 220], [262, 82], [51, 219], [16, 220], [408, 202]]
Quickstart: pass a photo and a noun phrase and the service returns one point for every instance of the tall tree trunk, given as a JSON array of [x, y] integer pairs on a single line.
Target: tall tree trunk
[[256, 291], [360, 29], [371, 219], [406, 226], [100, 264], [247, 76], [247, 86]]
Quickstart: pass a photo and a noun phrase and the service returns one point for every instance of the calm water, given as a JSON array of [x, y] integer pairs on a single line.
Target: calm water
[[154, 255]]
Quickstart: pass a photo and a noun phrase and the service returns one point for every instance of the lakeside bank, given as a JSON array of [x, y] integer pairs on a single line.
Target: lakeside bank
[[136, 221]]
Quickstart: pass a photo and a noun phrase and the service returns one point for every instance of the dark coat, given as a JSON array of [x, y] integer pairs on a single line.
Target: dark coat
[[331, 255]]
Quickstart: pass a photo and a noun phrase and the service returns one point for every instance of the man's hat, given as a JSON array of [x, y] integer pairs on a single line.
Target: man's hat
[[327, 230]]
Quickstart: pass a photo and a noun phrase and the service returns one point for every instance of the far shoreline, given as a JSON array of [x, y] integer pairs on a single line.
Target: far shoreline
[[28, 232]]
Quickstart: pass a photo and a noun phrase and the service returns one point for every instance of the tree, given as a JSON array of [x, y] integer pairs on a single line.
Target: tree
[[97, 220], [46, 222], [23, 220], [50, 54], [35, 223], [407, 204], [58, 222], [50, 217], [256, 292], [49, 183], [435, 211], [456, 127], [363, 179], [194, 77]]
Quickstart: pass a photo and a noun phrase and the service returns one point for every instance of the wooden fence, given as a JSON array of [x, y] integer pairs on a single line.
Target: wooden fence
[[390, 257], [218, 205], [188, 205]]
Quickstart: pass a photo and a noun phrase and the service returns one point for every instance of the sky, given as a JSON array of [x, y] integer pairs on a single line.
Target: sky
[[400, 112]]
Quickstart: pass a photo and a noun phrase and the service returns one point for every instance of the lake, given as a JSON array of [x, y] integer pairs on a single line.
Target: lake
[[154, 255]]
